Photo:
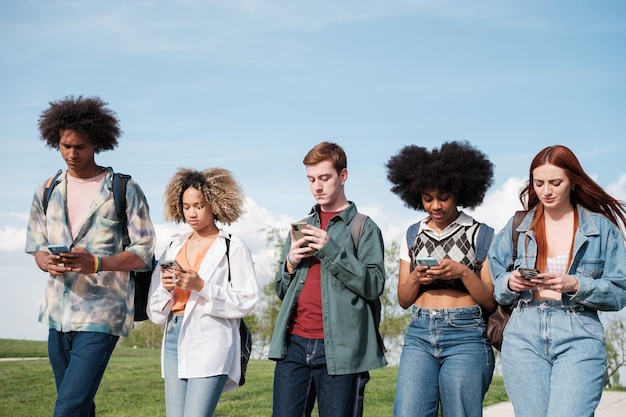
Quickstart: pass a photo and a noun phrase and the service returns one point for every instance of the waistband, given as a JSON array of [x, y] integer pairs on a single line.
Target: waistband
[[175, 318], [470, 311], [552, 304]]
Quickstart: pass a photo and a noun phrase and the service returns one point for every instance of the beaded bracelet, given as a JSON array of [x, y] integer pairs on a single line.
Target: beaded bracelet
[[291, 264], [96, 264]]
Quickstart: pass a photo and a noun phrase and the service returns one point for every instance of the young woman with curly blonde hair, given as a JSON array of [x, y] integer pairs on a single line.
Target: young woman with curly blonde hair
[[201, 299]]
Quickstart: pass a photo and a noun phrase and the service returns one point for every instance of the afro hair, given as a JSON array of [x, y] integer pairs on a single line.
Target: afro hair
[[457, 168], [88, 116]]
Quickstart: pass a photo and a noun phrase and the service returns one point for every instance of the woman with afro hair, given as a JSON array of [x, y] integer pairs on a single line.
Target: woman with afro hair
[[205, 284], [446, 358]]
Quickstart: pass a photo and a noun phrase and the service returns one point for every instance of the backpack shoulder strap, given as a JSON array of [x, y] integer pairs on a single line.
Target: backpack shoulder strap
[[52, 182], [411, 234], [119, 197], [517, 220], [483, 241], [228, 255], [356, 229]]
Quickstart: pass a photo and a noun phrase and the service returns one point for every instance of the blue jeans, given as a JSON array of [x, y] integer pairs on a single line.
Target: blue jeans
[[553, 360], [447, 359], [303, 373], [78, 361], [187, 397]]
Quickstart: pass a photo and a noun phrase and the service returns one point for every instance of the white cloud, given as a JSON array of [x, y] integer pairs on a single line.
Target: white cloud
[[618, 189], [12, 238], [501, 204]]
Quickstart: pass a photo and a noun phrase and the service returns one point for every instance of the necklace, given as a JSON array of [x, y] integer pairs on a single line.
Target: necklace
[[198, 238]]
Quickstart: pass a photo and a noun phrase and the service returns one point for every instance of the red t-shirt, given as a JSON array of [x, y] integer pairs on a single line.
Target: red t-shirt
[[308, 321]]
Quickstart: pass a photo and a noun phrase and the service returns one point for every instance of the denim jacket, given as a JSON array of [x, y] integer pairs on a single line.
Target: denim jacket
[[347, 282], [98, 302], [598, 262]]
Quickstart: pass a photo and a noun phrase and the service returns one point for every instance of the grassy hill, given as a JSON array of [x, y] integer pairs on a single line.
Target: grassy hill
[[132, 386]]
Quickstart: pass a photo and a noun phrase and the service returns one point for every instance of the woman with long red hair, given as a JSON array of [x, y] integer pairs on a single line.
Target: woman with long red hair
[[571, 264]]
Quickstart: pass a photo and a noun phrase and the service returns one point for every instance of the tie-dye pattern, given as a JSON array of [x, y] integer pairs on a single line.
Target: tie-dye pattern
[[101, 302]]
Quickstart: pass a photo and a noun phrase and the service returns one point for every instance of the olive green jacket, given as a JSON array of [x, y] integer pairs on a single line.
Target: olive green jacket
[[347, 284]]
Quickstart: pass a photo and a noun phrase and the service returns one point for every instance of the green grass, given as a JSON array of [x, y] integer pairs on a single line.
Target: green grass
[[132, 386]]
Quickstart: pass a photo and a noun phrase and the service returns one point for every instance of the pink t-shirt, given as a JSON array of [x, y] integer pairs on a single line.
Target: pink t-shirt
[[80, 195]]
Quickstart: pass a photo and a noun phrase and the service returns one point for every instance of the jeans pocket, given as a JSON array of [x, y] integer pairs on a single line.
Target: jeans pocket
[[589, 323]]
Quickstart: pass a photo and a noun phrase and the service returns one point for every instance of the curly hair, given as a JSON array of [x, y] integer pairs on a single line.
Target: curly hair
[[217, 186], [457, 168], [88, 116]]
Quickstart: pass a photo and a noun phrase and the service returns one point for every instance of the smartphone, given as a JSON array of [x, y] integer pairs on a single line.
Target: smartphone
[[528, 273], [171, 264], [58, 249], [429, 262], [297, 231]]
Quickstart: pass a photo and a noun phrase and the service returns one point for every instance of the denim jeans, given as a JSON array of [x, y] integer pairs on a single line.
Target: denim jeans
[[302, 373], [187, 397], [78, 361], [553, 360], [447, 359]]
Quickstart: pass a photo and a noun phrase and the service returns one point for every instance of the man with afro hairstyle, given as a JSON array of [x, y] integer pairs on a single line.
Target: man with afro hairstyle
[[89, 298], [446, 359]]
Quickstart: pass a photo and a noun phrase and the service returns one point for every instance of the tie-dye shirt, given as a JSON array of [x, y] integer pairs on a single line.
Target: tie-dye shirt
[[100, 302]]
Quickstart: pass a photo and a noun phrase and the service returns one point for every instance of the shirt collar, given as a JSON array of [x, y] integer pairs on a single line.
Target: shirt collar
[[462, 220]]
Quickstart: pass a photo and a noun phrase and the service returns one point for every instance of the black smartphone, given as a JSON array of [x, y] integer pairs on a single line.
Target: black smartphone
[[528, 273]]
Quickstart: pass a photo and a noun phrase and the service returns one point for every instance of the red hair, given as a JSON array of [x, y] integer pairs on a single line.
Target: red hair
[[585, 191]]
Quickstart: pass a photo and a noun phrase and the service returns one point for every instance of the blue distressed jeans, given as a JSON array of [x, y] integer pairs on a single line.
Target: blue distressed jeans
[[553, 360], [447, 359], [302, 375], [187, 397], [78, 361]]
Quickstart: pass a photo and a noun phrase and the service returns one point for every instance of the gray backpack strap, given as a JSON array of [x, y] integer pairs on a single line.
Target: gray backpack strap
[[356, 229]]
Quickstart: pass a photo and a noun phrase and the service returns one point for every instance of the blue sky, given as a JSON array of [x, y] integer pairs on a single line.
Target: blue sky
[[251, 86]]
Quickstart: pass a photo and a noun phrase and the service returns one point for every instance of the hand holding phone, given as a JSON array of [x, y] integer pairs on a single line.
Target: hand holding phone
[[171, 264], [528, 273], [58, 249], [427, 261], [297, 231]]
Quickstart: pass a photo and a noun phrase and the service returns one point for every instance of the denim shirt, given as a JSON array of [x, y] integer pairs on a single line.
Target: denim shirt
[[598, 262], [103, 301], [347, 283]]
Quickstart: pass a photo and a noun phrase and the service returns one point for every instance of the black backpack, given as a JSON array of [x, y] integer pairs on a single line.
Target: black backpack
[[141, 278], [244, 332]]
